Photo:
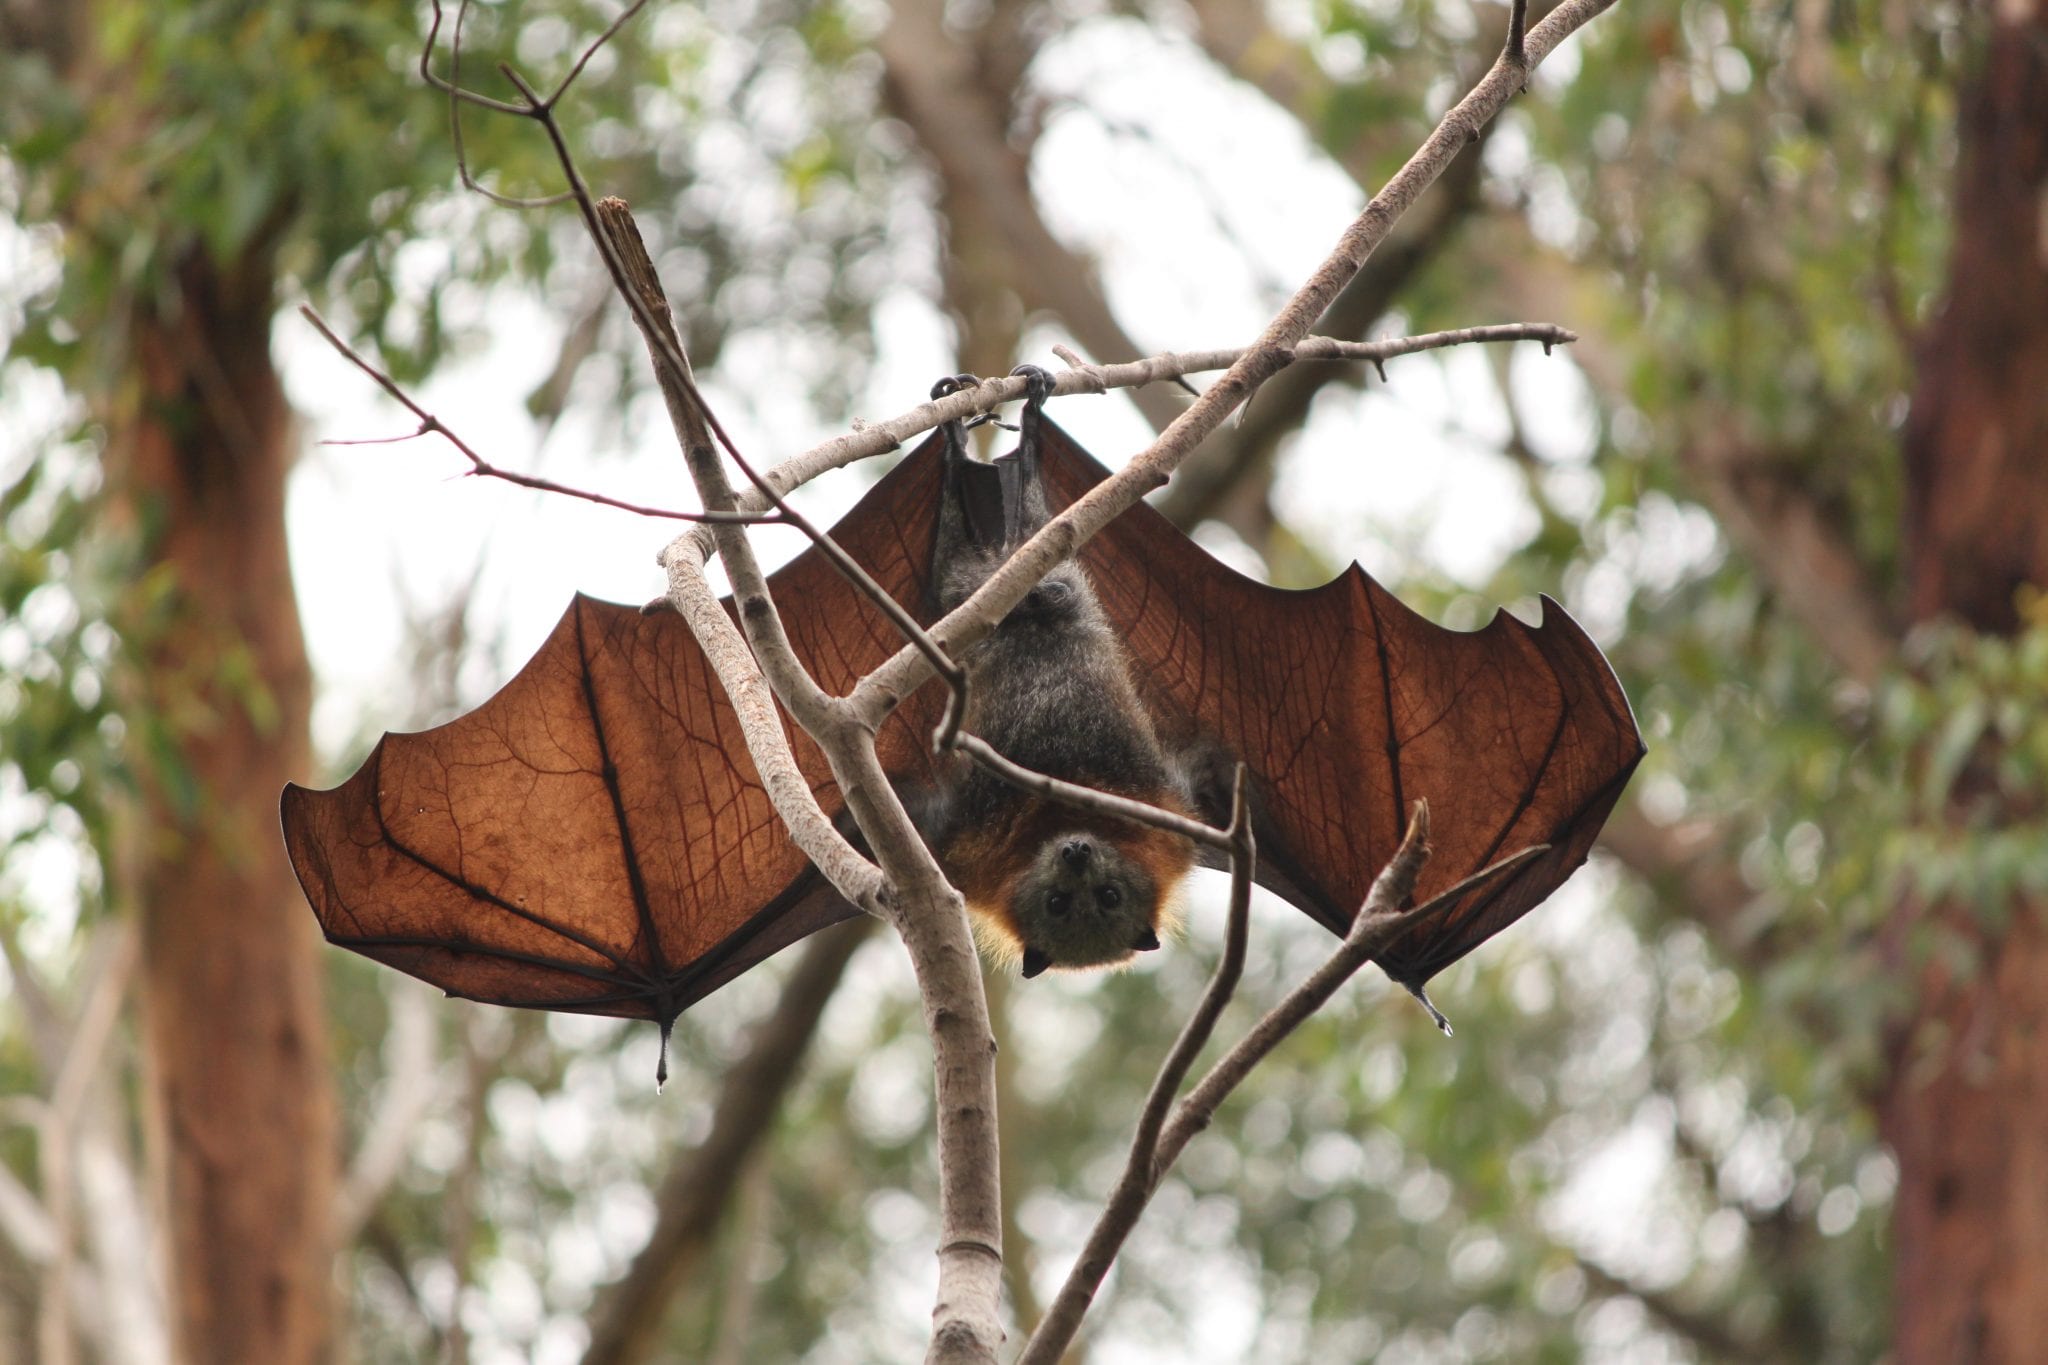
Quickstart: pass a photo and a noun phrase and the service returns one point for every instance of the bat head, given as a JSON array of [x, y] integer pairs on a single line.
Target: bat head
[[1093, 899]]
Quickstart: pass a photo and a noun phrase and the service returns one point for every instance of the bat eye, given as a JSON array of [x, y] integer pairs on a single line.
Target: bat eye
[[1059, 902], [1109, 898]]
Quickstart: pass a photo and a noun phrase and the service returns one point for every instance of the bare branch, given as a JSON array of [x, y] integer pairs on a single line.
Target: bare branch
[[878, 438], [432, 425], [926, 911], [1140, 1176], [1088, 798], [1380, 920], [470, 182], [753, 704], [1518, 25], [452, 86]]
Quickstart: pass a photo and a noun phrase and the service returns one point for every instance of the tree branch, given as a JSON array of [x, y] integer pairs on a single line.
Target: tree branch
[[1274, 350], [916, 899], [1380, 921], [478, 465]]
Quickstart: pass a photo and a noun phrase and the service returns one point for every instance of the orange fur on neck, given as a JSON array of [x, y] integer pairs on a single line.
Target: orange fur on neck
[[986, 865]]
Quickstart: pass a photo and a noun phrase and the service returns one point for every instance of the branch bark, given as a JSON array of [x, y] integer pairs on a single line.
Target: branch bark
[[915, 897]]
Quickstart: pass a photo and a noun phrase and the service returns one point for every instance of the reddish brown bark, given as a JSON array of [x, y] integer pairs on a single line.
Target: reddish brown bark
[[196, 459], [1967, 1118], [1966, 1107], [1977, 440]]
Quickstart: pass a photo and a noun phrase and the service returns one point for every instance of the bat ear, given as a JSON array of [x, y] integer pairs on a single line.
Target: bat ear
[[1035, 961], [1148, 940]]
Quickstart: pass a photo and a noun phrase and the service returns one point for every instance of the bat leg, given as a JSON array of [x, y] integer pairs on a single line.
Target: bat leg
[[1038, 386], [1415, 989]]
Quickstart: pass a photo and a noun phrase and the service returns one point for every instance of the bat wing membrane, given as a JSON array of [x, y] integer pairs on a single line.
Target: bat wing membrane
[[1347, 707], [595, 838]]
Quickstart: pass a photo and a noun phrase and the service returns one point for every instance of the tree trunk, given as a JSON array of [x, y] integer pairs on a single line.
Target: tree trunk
[[239, 1089], [1977, 439], [1966, 1107]]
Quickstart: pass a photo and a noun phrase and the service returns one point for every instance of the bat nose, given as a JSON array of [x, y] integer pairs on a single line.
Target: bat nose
[[1075, 853]]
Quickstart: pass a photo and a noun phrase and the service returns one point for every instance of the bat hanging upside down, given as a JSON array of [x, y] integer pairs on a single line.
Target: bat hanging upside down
[[595, 839], [1051, 885]]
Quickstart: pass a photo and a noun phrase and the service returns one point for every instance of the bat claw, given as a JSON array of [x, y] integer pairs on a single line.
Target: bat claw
[[1422, 996], [1038, 383]]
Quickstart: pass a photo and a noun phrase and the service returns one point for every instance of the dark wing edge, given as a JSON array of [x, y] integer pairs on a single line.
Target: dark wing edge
[[1599, 746]]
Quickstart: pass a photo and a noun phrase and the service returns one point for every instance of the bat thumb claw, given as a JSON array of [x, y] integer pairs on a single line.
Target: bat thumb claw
[[1422, 996], [661, 1066]]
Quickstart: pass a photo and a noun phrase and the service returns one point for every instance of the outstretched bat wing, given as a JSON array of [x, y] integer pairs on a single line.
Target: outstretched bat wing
[[1347, 707], [594, 838]]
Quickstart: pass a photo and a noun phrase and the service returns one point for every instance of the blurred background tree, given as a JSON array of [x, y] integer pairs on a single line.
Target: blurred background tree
[[1766, 1082]]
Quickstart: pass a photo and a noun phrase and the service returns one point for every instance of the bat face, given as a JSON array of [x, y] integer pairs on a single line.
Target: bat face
[[1086, 900]]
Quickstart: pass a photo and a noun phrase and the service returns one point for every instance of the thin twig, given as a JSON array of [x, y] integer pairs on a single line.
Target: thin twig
[[1141, 1169], [431, 425], [878, 438], [1379, 922], [1088, 798]]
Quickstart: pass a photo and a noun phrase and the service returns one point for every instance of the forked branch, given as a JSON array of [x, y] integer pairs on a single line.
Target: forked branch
[[1155, 1147]]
